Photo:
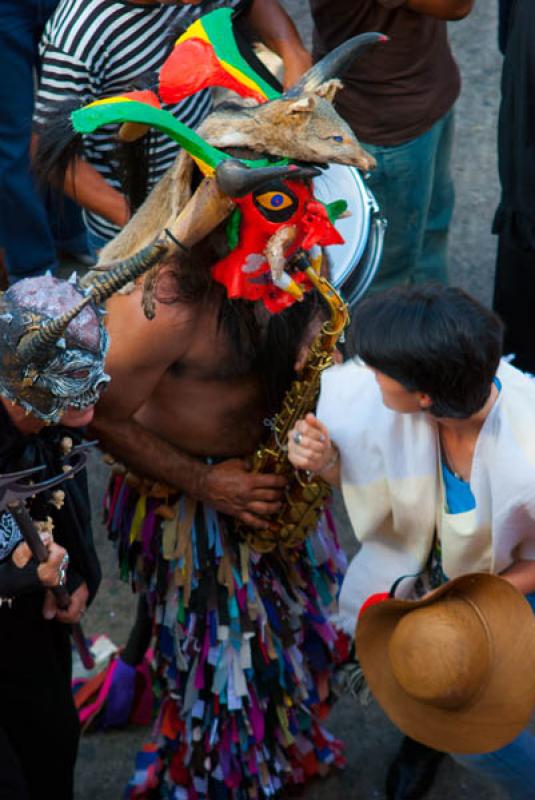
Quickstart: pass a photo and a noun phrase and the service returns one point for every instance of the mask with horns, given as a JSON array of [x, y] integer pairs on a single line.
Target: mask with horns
[[53, 340]]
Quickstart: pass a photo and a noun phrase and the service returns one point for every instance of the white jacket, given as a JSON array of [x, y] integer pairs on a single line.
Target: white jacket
[[391, 483]]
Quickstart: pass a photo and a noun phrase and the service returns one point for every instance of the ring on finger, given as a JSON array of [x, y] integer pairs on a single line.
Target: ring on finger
[[298, 436], [62, 569]]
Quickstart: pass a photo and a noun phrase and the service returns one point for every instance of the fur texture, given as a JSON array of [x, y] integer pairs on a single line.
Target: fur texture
[[305, 129]]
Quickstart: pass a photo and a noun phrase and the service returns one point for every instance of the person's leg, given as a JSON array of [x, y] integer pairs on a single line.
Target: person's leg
[[432, 264], [513, 766], [24, 228], [514, 296], [412, 772], [37, 712], [12, 783], [402, 185]]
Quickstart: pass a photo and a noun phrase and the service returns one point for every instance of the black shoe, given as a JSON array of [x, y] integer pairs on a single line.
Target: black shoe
[[412, 771]]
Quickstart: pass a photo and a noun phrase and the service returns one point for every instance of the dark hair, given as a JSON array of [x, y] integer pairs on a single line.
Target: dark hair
[[263, 343], [432, 339]]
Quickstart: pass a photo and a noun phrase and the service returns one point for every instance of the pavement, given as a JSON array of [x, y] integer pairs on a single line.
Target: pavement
[[106, 760]]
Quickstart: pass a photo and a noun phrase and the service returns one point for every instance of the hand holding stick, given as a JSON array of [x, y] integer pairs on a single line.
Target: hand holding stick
[[12, 496], [27, 527]]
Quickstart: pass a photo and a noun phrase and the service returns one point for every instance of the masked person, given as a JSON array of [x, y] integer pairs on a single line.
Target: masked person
[[431, 442], [244, 651], [52, 348]]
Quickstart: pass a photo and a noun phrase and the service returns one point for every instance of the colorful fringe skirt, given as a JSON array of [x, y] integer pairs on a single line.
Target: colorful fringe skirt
[[244, 650]]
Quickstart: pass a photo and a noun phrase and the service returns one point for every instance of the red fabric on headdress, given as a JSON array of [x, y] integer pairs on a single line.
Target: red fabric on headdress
[[192, 66]]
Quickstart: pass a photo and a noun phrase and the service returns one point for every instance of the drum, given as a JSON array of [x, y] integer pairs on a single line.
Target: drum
[[352, 265]]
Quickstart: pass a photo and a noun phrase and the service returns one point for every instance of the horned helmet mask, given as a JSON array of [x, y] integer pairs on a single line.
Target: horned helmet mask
[[53, 341]]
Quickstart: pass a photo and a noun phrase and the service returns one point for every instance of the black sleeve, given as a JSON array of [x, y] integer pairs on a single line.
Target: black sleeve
[[504, 11], [15, 581], [244, 39]]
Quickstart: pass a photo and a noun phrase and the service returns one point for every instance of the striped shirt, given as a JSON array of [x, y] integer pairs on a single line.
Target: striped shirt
[[96, 48]]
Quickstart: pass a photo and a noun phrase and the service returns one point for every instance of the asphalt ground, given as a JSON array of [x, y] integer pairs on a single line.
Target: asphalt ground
[[106, 760]]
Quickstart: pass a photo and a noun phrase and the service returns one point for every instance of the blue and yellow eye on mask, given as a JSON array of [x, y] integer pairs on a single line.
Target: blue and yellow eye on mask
[[276, 202]]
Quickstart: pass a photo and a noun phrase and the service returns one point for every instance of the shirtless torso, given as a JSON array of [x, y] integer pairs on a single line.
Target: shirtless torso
[[177, 397]]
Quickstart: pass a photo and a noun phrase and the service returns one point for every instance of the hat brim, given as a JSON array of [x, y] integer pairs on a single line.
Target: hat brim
[[502, 707]]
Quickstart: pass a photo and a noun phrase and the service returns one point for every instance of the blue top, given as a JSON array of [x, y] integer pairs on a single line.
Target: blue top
[[458, 494]]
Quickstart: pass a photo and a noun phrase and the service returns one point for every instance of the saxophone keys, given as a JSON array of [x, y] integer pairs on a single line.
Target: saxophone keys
[[297, 510], [310, 492], [286, 532]]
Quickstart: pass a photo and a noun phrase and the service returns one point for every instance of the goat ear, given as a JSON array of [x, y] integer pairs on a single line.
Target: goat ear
[[328, 89], [303, 105]]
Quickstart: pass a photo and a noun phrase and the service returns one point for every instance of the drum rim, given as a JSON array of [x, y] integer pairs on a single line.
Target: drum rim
[[366, 203], [353, 292]]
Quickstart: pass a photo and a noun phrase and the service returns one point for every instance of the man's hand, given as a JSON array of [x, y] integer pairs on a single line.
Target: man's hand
[[233, 489], [71, 615]]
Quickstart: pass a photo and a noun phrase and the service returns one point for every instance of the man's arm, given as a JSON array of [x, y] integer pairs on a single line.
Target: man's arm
[[276, 29], [91, 191], [442, 9], [65, 80], [140, 354]]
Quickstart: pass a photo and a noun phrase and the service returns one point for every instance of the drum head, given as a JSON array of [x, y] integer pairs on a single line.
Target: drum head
[[351, 270]]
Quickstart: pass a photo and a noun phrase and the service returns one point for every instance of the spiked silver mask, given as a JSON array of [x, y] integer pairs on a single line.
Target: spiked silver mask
[[53, 340]]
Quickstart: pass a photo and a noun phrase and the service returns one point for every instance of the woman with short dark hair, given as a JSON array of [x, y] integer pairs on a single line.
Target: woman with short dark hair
[[436, 340], [432, 440]]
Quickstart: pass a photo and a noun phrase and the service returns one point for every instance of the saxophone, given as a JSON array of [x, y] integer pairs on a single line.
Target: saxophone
[[305, 497]]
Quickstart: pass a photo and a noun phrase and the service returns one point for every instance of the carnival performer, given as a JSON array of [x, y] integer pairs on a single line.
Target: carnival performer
[[430, 440], [202, 356], [52, 348]]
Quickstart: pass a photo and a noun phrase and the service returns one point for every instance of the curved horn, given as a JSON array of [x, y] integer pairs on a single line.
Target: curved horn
[[237, 180], [38, 345], [104, 285], [333, 64]]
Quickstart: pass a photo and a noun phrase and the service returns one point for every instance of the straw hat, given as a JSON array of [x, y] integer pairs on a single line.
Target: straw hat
[[455, 670]]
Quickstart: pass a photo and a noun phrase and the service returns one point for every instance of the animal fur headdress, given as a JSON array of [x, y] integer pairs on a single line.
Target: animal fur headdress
[[275, 214]]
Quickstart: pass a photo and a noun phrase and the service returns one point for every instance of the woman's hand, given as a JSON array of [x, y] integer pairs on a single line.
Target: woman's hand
[[309, 445]]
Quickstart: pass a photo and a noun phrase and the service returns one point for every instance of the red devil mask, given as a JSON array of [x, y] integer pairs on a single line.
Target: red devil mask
[[283, 204]]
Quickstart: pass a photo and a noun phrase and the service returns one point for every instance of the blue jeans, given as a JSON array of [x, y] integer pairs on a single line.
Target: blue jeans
[[25, 230], [95, 243], [413, 186], [513, 766]]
